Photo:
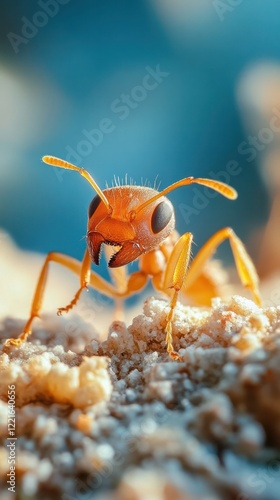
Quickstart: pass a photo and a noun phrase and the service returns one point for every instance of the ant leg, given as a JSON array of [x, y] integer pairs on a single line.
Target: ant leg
[[80, 268], [244, 265], [84, 281], [135, 283], [75, 266], [178, 276], [174, 278]]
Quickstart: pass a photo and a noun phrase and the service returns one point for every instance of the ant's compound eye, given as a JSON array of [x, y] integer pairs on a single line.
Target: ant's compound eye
[[161, 216], [93, 205]]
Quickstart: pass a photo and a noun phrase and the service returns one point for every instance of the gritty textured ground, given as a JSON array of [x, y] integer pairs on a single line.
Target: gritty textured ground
[[117, 420]]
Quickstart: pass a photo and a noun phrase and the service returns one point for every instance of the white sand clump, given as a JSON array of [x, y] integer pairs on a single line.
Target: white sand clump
[[45, 375], [119, 420]]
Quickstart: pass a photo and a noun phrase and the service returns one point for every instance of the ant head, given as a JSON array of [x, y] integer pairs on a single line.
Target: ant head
[[132, 231], [133, 218]]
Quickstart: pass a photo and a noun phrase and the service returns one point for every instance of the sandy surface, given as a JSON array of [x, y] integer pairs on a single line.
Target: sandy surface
[[116, 419]]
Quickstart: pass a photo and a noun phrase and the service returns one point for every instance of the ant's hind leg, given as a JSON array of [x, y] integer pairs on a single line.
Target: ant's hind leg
[[244, 265]]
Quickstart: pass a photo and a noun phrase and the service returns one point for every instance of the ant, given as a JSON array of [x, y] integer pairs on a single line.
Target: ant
[[139, 223]]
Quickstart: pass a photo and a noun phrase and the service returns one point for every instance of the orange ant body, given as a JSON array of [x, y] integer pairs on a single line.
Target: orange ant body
[[139, 222]]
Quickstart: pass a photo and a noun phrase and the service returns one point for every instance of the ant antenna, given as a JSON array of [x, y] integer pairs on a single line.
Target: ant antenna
[[57, 162], [218, 186]]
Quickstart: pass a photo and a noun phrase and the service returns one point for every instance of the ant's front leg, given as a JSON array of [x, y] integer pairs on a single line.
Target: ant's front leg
[[83, 269], [177, 276], [133, 284], [174, 277]]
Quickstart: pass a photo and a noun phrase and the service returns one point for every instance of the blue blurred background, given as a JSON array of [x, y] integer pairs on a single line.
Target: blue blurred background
[[63, 66]]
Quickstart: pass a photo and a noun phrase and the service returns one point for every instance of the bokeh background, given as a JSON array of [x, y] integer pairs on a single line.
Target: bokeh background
[[65, 63]]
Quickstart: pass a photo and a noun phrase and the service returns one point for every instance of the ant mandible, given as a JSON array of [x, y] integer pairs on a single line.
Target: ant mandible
[[139, 222]]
